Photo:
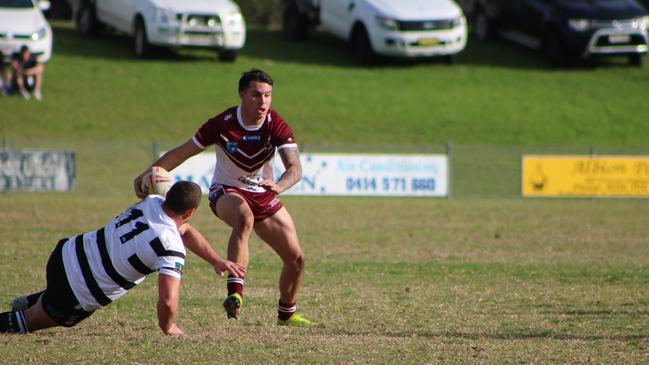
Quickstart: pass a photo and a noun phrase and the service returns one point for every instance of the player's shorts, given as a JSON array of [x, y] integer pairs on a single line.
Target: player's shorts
[[262, 205], [59, 302]]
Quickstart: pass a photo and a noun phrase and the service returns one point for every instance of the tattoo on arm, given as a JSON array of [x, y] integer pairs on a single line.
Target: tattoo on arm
[[293, 174]]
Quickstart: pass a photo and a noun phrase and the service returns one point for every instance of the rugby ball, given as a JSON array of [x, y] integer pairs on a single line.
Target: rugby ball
[[156, 181]]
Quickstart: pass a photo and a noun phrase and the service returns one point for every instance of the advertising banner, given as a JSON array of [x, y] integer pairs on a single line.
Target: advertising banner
[[585, 176], [346, 174], [37, 171]]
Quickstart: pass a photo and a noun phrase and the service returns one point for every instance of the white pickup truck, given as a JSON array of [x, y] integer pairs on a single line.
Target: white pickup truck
[[214, 24], [398, 28]]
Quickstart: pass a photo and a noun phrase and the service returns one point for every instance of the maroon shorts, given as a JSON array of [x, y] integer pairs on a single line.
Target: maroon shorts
[[263, 205]]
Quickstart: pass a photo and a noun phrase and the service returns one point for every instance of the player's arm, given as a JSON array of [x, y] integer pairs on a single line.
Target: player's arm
[[169, 161], [168, 295], [197, 243], [291, 160]]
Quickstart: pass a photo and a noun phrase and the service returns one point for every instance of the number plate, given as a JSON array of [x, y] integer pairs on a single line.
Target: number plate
[[428, 41], [617, 39]]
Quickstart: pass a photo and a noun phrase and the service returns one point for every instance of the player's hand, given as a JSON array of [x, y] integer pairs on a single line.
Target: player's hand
[[270, 185], [137, 186], [232, 267]]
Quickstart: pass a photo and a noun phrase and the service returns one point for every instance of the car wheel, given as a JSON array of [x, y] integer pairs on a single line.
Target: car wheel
[[295, 25], [554, 51], [141, 44], [227, 55], [363, 48], [483, 27], [449, 59], [87, 22], [636, 60]]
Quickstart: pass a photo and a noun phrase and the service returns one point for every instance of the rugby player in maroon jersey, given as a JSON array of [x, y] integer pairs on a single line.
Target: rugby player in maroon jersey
[[244, 192]]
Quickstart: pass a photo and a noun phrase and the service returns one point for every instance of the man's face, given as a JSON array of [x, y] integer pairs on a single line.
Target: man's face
[[255, 100], [25, 55]]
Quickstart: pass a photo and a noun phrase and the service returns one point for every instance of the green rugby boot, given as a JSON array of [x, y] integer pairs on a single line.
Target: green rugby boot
[[232, 305], [296, 320]]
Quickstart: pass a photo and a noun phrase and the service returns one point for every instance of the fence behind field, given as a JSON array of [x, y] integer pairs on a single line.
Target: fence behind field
[[476, 171]]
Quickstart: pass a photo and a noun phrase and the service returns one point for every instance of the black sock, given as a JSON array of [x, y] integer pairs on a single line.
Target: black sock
[[13, 322], [33, 298]]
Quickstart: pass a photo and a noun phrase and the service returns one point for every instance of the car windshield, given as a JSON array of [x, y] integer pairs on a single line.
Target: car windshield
[[16, 4]]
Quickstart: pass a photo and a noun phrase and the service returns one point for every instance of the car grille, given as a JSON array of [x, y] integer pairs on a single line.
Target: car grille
[[16, 36], [634, 39], [425, 25], [200, 23]]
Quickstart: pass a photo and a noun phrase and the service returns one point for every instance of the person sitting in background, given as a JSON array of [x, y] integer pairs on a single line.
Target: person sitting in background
[[25, 65], [3, 84]]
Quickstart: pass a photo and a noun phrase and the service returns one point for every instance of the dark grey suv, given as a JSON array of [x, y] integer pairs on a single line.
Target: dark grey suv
[[565, 29]]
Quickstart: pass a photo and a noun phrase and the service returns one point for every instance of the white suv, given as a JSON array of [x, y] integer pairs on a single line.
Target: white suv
[[22, 24], [400, 28], [214, 24]]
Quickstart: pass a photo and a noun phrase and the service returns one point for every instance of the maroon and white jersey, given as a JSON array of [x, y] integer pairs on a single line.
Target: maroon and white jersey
[[242, 152]]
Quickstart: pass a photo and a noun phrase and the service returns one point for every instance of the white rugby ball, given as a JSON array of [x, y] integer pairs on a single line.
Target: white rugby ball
[[156, 181]]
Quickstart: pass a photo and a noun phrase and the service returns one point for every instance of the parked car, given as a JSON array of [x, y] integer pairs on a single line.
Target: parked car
[[398, 28], [565, 29], [213, 24], [22, 24]]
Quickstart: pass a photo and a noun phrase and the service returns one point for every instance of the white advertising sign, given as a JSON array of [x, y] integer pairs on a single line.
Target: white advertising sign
[[346, 174], [37, 171]]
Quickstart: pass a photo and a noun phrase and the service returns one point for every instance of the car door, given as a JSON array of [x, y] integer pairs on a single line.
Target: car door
[[532, 17], [126, 13], [336, 16], [509, 12], [115, 13]]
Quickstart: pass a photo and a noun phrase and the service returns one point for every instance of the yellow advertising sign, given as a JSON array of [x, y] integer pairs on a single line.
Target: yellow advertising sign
[[585, 176]]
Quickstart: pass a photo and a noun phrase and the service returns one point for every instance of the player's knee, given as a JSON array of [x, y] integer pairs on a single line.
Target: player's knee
[[245, 222], [296, 262]]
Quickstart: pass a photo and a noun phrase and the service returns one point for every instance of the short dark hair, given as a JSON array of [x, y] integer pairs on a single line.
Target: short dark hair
[[183, 196], [254, 75], [24, 49]]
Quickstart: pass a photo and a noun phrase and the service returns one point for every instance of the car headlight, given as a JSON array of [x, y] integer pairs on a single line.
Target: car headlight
[[644, 22], [165, 16], [579, 25], [387, 23], [40, 34]]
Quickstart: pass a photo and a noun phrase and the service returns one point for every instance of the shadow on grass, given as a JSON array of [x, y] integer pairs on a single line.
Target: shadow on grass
[[320, 49], [522, 335]]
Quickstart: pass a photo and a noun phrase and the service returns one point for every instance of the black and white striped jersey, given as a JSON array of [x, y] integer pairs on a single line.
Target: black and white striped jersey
[[103, 265]]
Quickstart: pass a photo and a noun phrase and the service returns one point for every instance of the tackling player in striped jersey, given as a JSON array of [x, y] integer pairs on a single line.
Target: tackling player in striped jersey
[[244, 193], [89, 271]]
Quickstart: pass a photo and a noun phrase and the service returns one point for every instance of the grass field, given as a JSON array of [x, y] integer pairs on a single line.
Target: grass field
[[440, 281], [393, 280], [498, 94]]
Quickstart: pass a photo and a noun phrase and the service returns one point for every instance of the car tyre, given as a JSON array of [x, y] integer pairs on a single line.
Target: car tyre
[[227, 55], [636, 60], [141, 44], [449, 59], [554, 51], [87, 22], [363, 48], [483, 27], [295, 25]]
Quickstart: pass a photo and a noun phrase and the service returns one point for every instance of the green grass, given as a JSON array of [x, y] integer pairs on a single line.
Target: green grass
[[498, 94], [440, 281], [394, 280]]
